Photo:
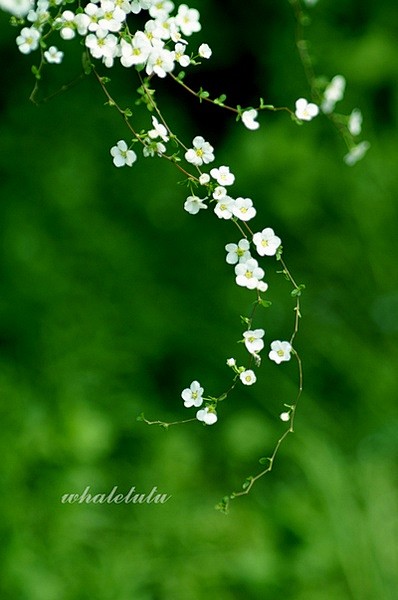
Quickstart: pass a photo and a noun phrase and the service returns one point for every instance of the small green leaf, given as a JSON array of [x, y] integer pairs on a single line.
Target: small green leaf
[[297, 291], [265, 303], [36, 72], [247, 482]]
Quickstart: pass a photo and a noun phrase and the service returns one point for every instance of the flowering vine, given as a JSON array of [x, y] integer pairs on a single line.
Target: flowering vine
[[109, 33]]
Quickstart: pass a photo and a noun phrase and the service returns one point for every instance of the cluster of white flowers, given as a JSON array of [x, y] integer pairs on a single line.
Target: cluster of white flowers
[[158, 46], [248, 273], [193, 396]]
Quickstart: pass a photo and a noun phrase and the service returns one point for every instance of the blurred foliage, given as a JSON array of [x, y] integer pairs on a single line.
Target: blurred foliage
[[113, 299]]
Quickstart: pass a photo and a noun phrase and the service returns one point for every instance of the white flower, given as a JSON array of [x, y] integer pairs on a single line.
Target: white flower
[[219, 192], [160, 61], [202, 152], [187, 20], [101, 44], [137, 51], [356, 153], [113, 16], [231, 362], [355, 122], [248, 377], [18, 8], [310, 2], [253, 340], [122, 155], [223, 176], [53, 55], [152, 147], [160, 9], [280, 351], [158, 130], [204, 51], [223, 208], [266, 242], [249, 119], [285, 416], [243, 209], [180, 56], [333, 93], [40, 15], [193, 204], [238, 252], [207, 415], [204, 179], [28, 40], [192, 396], [305, 111], [248, 274], [92, 14], [67, 19]]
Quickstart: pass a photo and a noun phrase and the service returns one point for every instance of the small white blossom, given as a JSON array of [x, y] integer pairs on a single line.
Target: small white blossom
[[180, 56], [18, 8], [204, 179], [207, 415], [101, 44], [243, 209], [223, 208], [305, 111], [152, 147], [202, 152], [158, 130], [53, 55], [68, 29], [192, 396], [285, 416], [231, 362], [160, 61], [122, 155], [223, 176], [161, 9], [333, 93], [249, 274], [355, 122], [249, 119], [253, 340], [356, 153], [248, 377], [204, 51], [219, 192], [280, 351], [266, 242], [238, 253], [135, 52], [113, 16], [28, 40], [193, 204], [188, 20]]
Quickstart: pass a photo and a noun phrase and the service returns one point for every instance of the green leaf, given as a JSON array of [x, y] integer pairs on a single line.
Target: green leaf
[[36, 72], [297, 291], [265, 303]]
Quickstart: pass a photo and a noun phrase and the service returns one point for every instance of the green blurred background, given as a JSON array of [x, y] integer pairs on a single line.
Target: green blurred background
[[113, 299]]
